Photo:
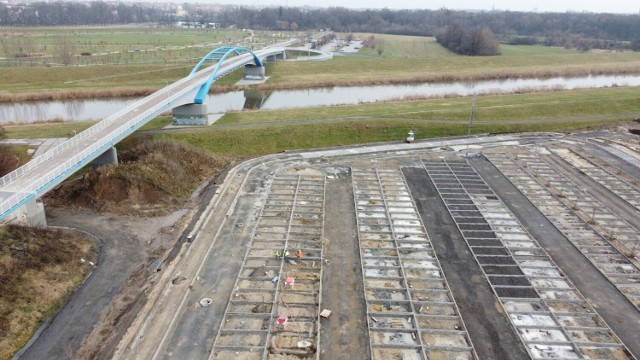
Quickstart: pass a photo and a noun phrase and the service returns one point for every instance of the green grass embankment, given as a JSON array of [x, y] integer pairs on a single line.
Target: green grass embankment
[[247, 142], [365, 123], [496, 113], [544, 106], [409, 59]]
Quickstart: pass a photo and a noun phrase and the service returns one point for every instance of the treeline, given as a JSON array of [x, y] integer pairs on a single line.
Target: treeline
[[77, 13], [461, 40], [556, 28]]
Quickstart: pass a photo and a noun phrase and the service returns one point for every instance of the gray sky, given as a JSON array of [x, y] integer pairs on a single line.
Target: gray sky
[[611, 6]]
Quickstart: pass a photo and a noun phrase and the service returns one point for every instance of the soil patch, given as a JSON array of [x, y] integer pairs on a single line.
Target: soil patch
[[154, 177], [39, 269]]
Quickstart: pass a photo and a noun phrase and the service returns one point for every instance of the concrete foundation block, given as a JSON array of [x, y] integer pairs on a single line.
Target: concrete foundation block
[[190, 114]]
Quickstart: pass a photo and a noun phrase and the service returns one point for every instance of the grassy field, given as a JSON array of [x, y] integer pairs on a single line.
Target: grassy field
[[247, 142], [122, 44], [360, 124], [118, 59], [412, 59], [490, 108], [397, 46], [49, 130], [167, 55]]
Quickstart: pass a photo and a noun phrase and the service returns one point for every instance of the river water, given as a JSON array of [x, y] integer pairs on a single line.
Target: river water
[[96, 109]]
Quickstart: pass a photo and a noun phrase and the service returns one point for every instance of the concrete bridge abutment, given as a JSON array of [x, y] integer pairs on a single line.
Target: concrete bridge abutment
[[30, 214]]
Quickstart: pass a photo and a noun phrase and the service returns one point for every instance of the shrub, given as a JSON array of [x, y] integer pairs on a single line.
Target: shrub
[[461, 40]]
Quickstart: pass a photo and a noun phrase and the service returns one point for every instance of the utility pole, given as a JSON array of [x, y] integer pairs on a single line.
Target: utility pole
[[473, 111]]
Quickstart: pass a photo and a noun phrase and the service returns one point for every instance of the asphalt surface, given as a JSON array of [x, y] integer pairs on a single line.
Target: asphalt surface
[[121, 253]]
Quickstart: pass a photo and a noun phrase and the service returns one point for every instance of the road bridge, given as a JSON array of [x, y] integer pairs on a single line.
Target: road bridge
[[22, 187]]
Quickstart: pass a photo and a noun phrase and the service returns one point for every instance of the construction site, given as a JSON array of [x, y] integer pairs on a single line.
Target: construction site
[[496, 247]]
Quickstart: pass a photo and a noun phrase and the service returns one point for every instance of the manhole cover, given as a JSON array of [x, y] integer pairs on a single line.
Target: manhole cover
[[206, 302]]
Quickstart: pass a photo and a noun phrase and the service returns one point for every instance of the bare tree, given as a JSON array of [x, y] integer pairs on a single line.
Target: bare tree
[[65, 50], [349, 37], [480, 41], [464, 41]]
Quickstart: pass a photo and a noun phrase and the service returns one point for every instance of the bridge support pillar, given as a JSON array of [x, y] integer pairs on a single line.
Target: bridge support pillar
[[108, 157], [35, 213], [190, 114], [252, 72], [30, 214]]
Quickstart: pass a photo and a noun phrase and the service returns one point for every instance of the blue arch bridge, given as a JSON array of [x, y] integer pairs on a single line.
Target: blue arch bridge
[[20, 189]]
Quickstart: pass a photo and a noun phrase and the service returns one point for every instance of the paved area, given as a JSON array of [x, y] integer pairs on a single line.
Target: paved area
[[37, 147], [414, 251]]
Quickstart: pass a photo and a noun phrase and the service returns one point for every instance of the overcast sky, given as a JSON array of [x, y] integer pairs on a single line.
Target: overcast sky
[[611, 6]]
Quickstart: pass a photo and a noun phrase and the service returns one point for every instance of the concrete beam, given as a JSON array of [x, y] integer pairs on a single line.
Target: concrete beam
[[277, 57]]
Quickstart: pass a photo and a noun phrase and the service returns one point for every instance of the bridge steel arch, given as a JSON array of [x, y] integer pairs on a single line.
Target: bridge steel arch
[[219, 55], [42, 173]]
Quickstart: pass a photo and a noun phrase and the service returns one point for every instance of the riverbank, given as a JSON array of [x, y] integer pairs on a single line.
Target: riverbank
[[540, 107], [413, 60], [129, 92]]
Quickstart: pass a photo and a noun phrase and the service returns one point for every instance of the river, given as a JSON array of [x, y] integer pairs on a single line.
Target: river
[[96, 109]]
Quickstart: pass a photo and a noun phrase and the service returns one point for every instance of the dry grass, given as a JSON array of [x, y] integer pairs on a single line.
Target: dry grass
[[76, 94], [450, 77], [39, 269], [409, 60], [154, 177]]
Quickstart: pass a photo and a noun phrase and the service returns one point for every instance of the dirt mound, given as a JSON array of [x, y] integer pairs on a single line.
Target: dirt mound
[[154, 177]]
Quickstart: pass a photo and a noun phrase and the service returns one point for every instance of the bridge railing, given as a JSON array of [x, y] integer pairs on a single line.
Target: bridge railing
[[99, 145], [73, 141], [88, 153]]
